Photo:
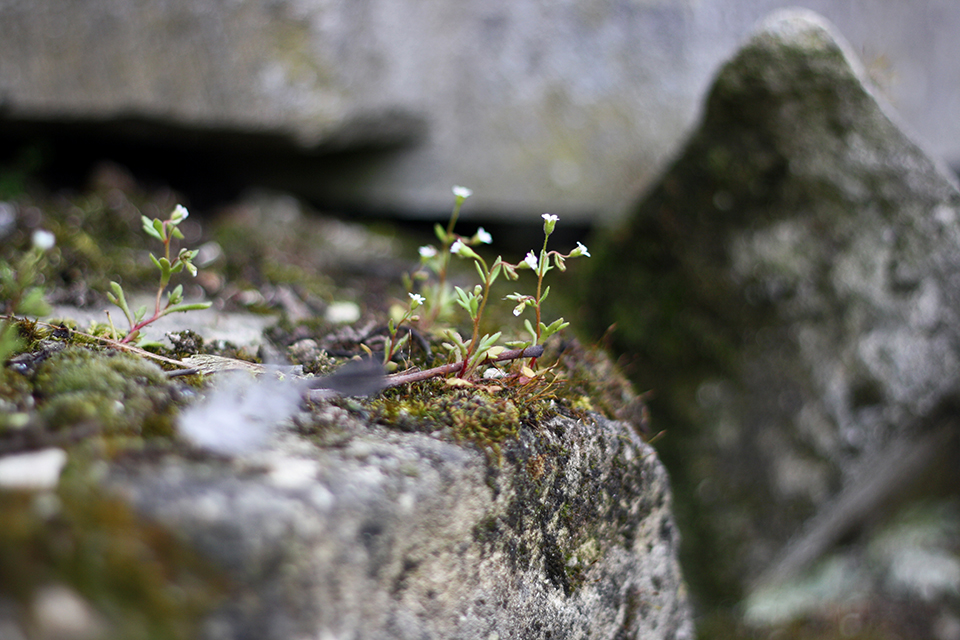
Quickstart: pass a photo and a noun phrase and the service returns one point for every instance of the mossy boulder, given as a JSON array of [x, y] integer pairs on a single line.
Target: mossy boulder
[[365, 531], [789, 291]]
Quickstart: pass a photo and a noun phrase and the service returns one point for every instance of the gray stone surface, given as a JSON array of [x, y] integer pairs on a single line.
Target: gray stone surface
[[566, 107], [793, 290], [374, 533]]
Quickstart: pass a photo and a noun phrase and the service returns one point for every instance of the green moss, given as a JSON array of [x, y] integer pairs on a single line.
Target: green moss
[[121, 393], [138, 577], [471, 414], [16, 400]]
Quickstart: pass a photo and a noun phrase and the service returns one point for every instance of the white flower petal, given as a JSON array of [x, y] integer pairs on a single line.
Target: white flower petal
[[531, 260], [416, 300], [43, 239]]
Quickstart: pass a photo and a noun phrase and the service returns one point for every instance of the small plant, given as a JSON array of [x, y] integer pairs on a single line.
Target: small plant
[[164, 231], [439, 296], [395, 343], [540, 331], [477, 349], [21, 290]]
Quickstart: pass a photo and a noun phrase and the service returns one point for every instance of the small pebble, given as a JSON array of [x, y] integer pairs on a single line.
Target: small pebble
[[35, 470]]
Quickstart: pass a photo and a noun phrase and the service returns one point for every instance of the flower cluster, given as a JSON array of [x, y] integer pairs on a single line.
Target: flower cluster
[[541, 265], [476, 349]]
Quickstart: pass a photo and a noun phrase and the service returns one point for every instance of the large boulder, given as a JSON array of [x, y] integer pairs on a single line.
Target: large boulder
[[384, 534], [343, 528], [790, 290], [537, 106]]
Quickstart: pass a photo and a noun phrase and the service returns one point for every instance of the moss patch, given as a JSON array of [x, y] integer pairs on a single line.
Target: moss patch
[[142, 581], [122, 393]]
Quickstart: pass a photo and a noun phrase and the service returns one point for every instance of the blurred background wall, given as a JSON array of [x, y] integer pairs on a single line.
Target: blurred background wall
[[570, 106]]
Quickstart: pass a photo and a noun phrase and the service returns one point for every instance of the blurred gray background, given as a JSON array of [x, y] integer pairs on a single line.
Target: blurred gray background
[[382, 105]]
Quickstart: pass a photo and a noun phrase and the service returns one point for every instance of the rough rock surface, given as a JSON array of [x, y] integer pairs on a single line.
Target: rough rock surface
[[791, 289], [375, 533], [538, 106]]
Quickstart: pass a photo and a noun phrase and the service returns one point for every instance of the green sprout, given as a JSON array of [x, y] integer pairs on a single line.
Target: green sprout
[[21, 290], [164, 231], [394, 343]]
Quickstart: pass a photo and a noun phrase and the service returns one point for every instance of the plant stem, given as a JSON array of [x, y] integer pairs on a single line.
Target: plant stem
[[476, 321], [396, 379]]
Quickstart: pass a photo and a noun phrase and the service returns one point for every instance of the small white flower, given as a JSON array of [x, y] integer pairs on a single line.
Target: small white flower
[[462, 192], [531, 260], [179, 214], [580, 251], [456, 247], [549, 222], [428, 251], [484, 236], [43, 239], [517, 310], [416, 300]]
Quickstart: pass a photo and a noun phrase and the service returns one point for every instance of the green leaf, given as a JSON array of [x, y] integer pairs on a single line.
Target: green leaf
[[189, 306], [158, 227], [176, 296], [557, 325], [138, 316], [121, 301], [165, 272], [529, 328], [400, 342], [468, 301], [495, 270], [455, 338], [546, 292], [176, 233], [156, 262], [440, 232], [483, 276], [486, 342], [149, 228], [489, 340]]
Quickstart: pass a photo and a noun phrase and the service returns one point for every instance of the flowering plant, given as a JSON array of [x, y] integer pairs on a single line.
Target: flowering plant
[[164, 231], [477, 349]]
